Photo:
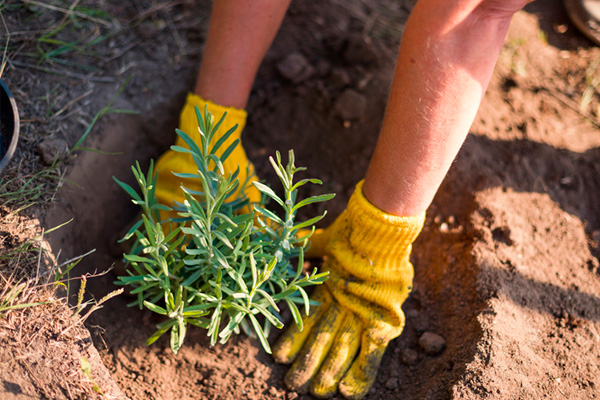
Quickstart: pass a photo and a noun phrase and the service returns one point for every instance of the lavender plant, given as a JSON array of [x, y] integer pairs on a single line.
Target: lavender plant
[[224, 264]]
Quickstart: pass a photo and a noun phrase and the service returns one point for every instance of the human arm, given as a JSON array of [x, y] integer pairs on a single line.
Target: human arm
[[445, 62], [239, 35], [448, 52]]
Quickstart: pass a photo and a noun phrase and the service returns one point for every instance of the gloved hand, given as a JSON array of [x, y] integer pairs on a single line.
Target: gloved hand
[[367, 253], [168, 186]]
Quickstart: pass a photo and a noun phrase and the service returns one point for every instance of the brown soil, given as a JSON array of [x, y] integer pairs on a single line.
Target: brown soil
[[507, 269]]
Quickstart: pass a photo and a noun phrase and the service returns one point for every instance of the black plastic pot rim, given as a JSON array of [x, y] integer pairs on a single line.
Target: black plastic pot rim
[[13, 137]]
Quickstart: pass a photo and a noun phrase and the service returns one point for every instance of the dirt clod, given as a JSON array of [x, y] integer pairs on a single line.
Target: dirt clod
[[350, 105], [432, 343], [409, 356], [391, 383], [339, 78], [358, 51], [295, 67], [53, 149]]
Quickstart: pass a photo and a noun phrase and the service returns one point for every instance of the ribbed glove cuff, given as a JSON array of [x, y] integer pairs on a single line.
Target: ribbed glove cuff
[[384, 239], [189, 122]]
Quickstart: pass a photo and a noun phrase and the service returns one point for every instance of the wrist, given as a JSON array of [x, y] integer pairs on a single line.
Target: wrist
[[381, 238]]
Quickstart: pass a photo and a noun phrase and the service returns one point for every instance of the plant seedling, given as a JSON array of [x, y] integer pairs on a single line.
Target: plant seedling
[[222, 266]]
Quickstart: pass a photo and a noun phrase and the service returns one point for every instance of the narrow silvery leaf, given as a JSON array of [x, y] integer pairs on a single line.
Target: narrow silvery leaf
[[272, 319], [128, 189], [268, 191], [196, 252], [216, 127], [282, 176], [194, 314], [267, 297], [311, 221], [186, 175], [218, 164], [174, 338], [231, 327], [269, 214], [155, 308], [220, 258], [229, 150], [303, 182], [222, 139], [313, 199], [254, 270], [300, 264], [160, 332], [296, 314], [306, 302], [201, 122], [189, 141], [221, 236], [143, 288], [259, 332], [213, 329], [134, 258]]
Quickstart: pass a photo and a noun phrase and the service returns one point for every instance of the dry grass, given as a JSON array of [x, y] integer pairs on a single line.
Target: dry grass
[[32, 336], [38, 327], [57, 57], [50, 59]]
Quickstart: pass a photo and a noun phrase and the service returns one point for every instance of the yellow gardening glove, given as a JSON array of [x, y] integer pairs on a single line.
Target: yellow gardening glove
[[168, 186], [367, 254]]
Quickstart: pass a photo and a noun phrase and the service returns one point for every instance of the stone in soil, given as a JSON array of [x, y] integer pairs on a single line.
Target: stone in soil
[[358, 51], [432, 343], [295, 68], [350, 105], [53, 148], [339, 78], [409, 357]]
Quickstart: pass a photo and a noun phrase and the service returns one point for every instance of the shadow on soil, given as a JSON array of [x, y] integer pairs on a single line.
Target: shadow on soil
[[569, 178]]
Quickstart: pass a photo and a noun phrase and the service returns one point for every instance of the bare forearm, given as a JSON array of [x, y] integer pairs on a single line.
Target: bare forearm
[[447, 56], [239, 36]]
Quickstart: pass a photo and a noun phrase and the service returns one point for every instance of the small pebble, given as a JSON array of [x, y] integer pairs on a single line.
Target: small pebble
[[339, 78], [358, 51], [391, 383], [350, 105], [418, 321], [432, 343], [323, 68], [295, 67], [53, 148], [409, 357]]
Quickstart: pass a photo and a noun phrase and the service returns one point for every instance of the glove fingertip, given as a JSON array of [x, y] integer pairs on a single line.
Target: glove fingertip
[[322, 389], [296, 381], [354, 389], [283, 352], [360, 377]]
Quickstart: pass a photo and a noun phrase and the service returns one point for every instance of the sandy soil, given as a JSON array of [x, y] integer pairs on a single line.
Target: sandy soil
[[507, 270]]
